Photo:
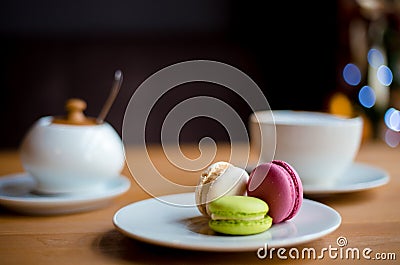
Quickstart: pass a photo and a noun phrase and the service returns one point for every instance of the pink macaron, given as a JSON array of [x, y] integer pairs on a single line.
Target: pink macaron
[[279, 185]]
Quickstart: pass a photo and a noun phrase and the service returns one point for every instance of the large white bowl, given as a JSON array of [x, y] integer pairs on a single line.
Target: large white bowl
[[320, 146], [71, 158]]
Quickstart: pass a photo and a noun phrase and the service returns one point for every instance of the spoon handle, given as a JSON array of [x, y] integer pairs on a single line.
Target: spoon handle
[[113, 94]]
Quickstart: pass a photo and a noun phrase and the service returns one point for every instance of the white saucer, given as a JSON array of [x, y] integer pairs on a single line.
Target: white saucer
[[16, 194], [154, 221], [357, 178]]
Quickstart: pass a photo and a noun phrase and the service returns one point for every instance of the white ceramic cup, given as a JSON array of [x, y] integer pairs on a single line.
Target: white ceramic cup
[[65, 158], [320, 146]]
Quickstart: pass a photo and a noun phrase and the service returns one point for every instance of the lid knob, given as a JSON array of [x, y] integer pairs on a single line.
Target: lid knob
[[75, 108], [75, 115]]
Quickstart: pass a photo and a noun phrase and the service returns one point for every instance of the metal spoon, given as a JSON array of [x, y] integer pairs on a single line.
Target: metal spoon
[[113, 94]]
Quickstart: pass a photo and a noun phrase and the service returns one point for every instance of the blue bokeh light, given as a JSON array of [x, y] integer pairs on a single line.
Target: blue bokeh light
[[392, 119], [367, 97], [352, 74], [375, 58], [385, 75]]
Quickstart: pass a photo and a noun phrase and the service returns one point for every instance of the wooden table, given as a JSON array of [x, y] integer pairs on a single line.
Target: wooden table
[[370, 219]]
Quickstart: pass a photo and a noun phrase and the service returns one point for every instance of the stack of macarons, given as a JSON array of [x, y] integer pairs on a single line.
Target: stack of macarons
[[241, 204]]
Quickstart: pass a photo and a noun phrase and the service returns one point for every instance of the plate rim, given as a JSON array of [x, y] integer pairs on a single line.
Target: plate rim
[[195, 247]]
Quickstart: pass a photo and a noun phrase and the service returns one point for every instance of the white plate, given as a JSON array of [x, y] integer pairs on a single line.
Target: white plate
[[16, 194], [154, 221], [357, 178]]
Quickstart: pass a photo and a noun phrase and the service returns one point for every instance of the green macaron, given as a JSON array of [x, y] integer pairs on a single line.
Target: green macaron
[[239, 215]]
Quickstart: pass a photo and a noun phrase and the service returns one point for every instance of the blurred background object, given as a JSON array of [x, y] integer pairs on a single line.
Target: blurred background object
[[55, 50], [370, 70]]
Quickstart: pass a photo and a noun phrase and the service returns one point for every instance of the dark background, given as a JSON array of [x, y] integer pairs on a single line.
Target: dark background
[[55, 50]]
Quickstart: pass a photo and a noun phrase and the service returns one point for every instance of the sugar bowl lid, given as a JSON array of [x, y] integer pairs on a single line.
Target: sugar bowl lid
[[75, 114]]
